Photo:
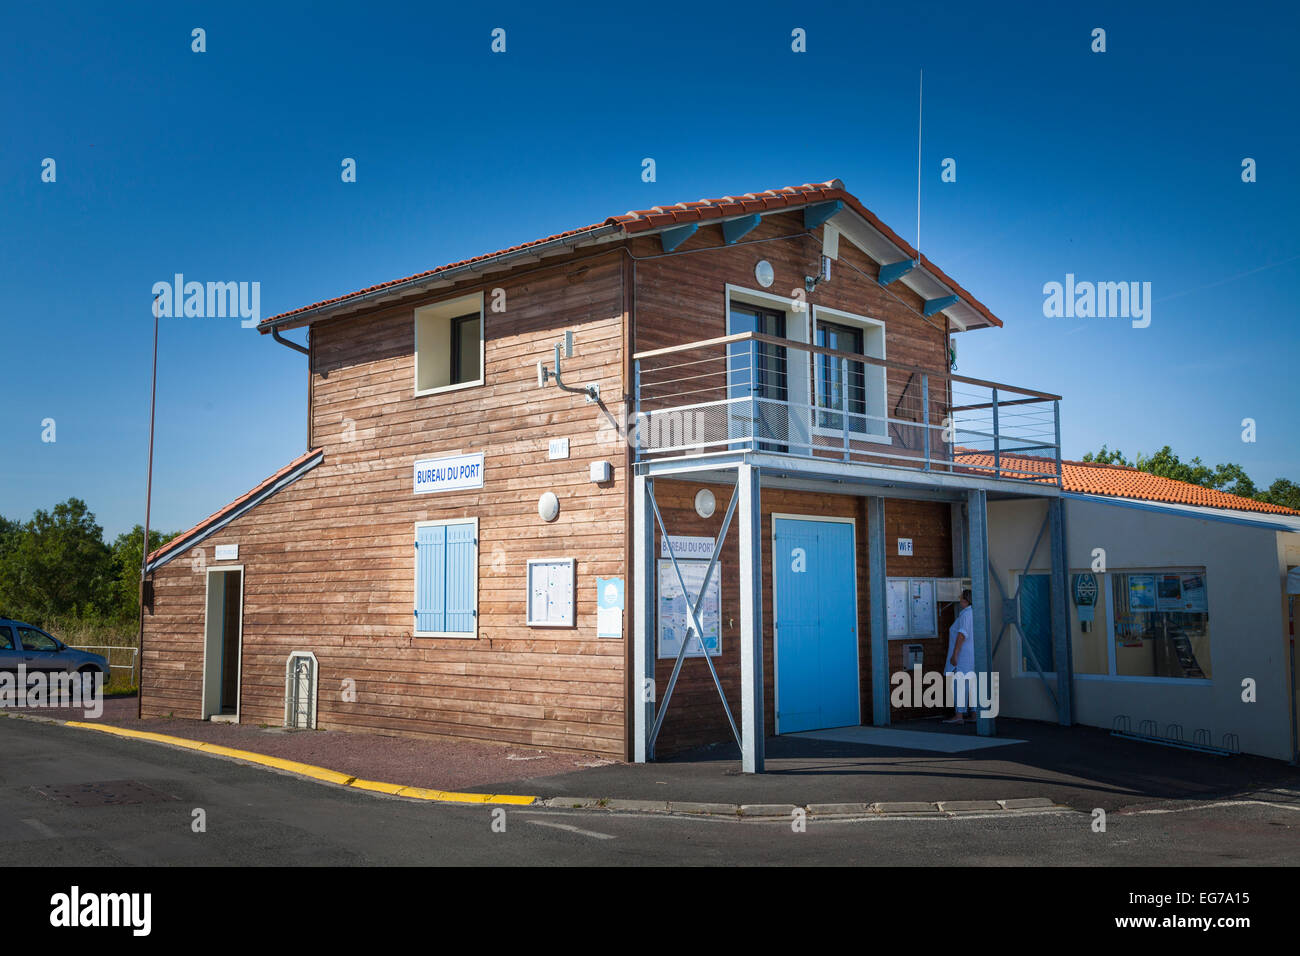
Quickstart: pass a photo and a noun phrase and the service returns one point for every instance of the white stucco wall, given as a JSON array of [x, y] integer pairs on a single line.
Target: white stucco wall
[[1247, 617]]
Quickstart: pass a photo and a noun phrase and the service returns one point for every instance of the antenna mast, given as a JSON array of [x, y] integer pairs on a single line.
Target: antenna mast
[[919, 94]]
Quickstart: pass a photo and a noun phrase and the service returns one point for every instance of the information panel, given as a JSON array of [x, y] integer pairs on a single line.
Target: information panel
[[672, 608], [550, 592]]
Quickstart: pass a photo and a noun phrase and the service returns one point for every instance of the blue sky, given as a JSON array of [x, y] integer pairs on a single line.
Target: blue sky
[[1124, 165]]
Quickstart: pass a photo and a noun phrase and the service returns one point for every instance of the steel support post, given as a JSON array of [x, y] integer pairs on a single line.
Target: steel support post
[[751, 619], [643, 644], [977, 524], [1060, 615], [879, 611]]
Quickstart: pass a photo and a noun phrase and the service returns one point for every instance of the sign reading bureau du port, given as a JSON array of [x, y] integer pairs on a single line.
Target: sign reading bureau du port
[[448, 474]]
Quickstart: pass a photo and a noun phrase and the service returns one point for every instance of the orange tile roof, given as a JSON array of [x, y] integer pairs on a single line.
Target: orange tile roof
[[642, 220], [185, 537], [1121, 481]]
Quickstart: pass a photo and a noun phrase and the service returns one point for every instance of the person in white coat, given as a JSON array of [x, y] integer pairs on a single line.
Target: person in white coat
[[961, 661]]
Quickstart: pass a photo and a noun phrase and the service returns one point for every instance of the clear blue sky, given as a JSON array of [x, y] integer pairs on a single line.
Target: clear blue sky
[[225, 166]]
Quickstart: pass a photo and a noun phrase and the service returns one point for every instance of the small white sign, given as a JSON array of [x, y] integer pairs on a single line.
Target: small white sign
[[905, 546], [559, 448], [227, 552], [687, 546], [449, 474]]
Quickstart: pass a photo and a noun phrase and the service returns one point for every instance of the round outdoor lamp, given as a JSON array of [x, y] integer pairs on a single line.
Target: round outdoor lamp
[[705, 503]]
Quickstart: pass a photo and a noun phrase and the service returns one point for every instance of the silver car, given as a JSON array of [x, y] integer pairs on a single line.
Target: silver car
[[22, 644]]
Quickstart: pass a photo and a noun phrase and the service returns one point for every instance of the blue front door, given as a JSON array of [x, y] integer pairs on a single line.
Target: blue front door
[[816, 625]]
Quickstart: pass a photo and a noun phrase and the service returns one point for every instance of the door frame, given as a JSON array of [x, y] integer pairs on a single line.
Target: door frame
[[239, 657], [857, 632]]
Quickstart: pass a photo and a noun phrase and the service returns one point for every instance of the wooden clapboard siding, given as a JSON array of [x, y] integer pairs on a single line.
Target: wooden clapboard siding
[[329, 560], [681, 298], [695, 714]]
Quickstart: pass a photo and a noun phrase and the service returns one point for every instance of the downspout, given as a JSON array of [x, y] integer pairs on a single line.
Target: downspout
[[275, 334], [305, 350]]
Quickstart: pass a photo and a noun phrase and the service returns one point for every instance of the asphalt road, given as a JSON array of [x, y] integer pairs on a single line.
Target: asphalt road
[[258, 817]]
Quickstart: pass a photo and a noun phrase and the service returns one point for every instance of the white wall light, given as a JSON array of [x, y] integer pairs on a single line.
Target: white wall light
[[705, 503]]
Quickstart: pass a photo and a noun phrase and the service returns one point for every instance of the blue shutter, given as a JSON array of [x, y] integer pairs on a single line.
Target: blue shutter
[[431, 578], [462, 567], [446, 569]]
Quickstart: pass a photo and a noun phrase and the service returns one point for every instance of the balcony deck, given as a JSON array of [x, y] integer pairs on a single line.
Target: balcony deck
[[818, 409]]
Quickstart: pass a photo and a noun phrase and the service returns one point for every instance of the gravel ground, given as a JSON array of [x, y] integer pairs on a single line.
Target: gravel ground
[[414, 762]]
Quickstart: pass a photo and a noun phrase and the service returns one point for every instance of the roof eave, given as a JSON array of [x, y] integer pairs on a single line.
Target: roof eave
[[442, 277]]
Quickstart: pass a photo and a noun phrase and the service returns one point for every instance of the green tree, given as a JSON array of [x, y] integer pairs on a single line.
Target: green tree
[[124, 601], [1229, 477], [8, 532], [1282, 492], [1107, 457], [56, 563]]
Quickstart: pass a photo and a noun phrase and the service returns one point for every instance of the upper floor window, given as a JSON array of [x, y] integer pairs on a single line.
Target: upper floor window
[[449, 345], [845, 385]]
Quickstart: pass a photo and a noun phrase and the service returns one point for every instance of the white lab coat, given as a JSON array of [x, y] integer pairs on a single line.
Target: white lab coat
[[965, 624]]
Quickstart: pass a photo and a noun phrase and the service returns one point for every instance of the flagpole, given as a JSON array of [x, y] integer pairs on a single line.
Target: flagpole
[[148, 502]]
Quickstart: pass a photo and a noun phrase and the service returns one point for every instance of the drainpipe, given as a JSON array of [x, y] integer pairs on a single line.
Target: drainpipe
[[275, 334]]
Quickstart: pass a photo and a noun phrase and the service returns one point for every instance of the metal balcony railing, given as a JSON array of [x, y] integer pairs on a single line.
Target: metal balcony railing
[[753, 392]]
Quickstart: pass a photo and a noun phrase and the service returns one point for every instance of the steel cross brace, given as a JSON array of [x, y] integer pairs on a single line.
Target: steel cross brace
[[1029, 562], [694, 627]]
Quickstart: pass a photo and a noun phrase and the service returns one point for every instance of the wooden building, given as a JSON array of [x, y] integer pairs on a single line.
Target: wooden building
[[473, 543]]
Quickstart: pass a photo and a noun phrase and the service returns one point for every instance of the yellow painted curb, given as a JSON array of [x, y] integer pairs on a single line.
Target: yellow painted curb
[[375, 785], [308, 770]]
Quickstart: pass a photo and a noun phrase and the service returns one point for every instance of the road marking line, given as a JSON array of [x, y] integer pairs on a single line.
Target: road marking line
[[1221, 803], [308, 770], [40, 828], [573, 829]]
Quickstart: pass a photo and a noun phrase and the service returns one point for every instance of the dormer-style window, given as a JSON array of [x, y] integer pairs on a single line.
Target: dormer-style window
[[449, 345]]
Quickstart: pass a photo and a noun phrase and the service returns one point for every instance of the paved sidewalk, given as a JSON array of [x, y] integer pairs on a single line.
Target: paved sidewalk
[[1079, 767], [415, 762]]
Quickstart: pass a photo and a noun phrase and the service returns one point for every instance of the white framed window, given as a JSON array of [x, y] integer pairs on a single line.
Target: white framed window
[[858, 386], [449, 345], [774, 376], [446, 578]]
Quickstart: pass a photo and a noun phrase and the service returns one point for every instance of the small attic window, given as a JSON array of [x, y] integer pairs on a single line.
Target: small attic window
[[449, 345]]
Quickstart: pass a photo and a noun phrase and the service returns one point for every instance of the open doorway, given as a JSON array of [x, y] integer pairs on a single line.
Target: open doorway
[[222, 643]]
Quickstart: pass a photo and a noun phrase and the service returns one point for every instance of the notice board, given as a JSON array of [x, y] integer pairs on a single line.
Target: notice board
[[550, 592], [911, 608], [672, 608]]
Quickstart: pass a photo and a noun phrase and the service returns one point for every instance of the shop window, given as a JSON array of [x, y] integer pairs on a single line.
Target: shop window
[[446, 578], [449, 345], [1161, 624]]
